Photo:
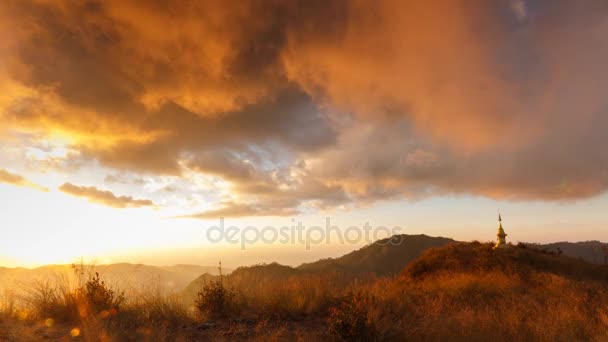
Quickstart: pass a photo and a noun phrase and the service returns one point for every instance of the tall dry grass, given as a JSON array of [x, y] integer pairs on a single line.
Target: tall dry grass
[[491, 306], [293, 295], [87, 308], [464, 292], [470, 292]]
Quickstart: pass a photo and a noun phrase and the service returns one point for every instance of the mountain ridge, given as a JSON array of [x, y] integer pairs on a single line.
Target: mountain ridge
[[122, 275]]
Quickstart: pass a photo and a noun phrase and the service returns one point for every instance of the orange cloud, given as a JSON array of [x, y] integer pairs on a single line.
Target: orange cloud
[[14, 179], [94, 195], [433, 62], [236, 210], [319, 104]]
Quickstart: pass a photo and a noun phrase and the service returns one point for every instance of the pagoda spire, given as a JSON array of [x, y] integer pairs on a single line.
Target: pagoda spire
[[501, 236]]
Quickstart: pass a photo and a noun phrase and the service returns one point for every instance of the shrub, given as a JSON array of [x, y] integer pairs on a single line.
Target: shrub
[[56, 302], [214, 300], [349, 322], [98, 297]]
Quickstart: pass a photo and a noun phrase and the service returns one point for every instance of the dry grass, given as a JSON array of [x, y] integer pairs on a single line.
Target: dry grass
[[468, 292], [292, 296], [459, 293], [88, 309], [492, 305]]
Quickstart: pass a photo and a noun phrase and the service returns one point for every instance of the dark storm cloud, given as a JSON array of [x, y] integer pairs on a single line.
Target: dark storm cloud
[[387, 99], [290, 120]]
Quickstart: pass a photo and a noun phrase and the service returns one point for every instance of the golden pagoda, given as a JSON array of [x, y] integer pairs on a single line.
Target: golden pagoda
[[501, 236]]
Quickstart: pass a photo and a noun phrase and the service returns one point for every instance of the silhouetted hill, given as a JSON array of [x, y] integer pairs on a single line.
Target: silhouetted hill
[[478, 257], [384, 257], [273, 271], [591, 251], [381, 258], [253, 275]]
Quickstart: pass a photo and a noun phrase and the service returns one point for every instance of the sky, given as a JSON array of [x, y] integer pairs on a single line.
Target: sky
[[129, 128]]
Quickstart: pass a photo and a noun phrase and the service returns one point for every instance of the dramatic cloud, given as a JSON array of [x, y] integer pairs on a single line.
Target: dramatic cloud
[[235, 210], [92, 194], [13, 179], [276, 192], [317, 104]]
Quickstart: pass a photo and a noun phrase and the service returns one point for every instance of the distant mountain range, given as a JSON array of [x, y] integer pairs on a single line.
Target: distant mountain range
[[591, 251], [385, 257], [382, 258], [129, 277], [412, 287]]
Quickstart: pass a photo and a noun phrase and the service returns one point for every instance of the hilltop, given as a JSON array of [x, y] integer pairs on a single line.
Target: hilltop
[[389, 257], [457, 291], [384, 257], [522, 260], [469, 291]]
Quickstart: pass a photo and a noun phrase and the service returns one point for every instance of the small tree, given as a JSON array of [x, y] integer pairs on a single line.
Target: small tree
[[348, 322], [214, 300], [99, 296]]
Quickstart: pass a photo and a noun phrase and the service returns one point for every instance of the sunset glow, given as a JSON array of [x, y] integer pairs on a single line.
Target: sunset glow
[[128, 128]]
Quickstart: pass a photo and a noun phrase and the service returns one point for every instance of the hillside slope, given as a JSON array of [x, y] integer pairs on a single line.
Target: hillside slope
[[471, 292], [478, 257], [384, 257]]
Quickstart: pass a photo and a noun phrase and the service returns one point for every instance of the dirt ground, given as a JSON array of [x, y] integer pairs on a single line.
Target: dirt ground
[[305, 329]]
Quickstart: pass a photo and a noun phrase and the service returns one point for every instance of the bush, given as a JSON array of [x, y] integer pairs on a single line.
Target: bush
[[98, 297], [348, 322], [214, 301], [56, 302]]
